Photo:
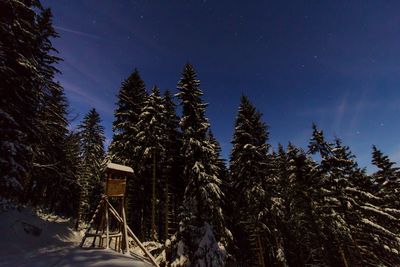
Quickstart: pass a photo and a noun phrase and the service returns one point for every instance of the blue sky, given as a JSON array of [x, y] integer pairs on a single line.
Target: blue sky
[[334, 63]]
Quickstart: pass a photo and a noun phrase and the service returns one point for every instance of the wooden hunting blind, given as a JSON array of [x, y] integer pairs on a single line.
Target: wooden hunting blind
[[113, 231], [116, 179]]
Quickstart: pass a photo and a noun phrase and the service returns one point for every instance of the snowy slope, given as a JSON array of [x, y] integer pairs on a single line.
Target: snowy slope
[[34, 240]]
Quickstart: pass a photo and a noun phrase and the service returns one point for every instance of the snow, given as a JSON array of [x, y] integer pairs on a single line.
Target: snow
[[375, 209], [35, 239], [363, 193], [209, 251], [394, 211], [118, 167], [376, 226], [181, 259], [153, 247]]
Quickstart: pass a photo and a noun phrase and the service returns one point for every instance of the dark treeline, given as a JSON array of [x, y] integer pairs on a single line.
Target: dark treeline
[[283, 207]]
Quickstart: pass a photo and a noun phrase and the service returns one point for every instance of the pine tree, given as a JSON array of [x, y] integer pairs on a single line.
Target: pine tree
[[67, 200], [223, 171], [201, 231], [288, 249], [355, 228], [373, 227], [152, 133], [51, 121], [277, 185], [387, 177], [248, 163], [172, 185], [124, 148], [381, 213], [52, 149], [19, 93], [131, 98], [57, 163], [49, 153], [56, 159], [333, 207], [304, 237], [34, 148], [91, 134]]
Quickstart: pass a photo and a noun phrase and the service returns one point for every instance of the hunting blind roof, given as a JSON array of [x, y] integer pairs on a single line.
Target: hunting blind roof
[[118, 167]]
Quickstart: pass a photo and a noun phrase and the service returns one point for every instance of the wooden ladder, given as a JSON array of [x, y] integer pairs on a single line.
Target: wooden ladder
[[102, 229]]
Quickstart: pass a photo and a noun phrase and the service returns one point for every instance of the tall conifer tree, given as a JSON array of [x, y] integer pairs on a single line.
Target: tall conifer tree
[[20, 93], [172, 185], [198, 241], [131, 99], [53, 172], [150, 137], [247, 168], [124, 148], [91, 134]]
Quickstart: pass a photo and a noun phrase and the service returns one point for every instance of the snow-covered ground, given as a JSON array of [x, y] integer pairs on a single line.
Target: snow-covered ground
[[32, 239]]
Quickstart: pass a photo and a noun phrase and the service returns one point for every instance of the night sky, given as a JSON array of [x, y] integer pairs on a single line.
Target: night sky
[[335, 63]]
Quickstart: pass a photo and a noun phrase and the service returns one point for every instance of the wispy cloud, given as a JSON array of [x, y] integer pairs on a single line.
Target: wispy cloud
[[345, 115], [340, 112], [79, 95], [80, 33], [362, 105]]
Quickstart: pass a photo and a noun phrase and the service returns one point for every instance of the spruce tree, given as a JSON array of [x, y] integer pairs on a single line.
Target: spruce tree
[[387, 177], [356, 229], [172, 185], [91, 134], [200, 239], [51, 120], [248, 163], [56, 150], [288, 248], [333, 207], [20, 93], [223, 171], [67, 200], [304, 237], [150, 137], [33, 104], [373, 227], [124, 148], [49, 152], [130, 103], [382, 213]]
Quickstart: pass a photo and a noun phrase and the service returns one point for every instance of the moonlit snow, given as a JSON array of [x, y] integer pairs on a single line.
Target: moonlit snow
[[33, 239]]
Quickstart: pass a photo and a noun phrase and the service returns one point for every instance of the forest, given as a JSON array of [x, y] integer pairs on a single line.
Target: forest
[[288, 206]]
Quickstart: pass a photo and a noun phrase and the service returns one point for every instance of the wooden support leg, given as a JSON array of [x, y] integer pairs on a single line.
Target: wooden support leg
[[107, 229], [125, 232], [137, 241], [99, 227], [98, 208]]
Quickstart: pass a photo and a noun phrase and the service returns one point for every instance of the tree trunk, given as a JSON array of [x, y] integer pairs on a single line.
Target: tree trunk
[[153, 200], [166, 207]]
